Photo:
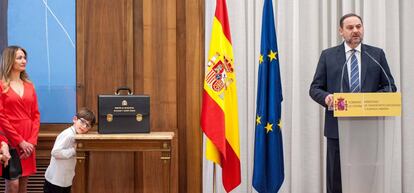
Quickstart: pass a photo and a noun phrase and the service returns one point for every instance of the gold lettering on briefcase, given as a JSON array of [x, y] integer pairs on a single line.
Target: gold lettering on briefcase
[[124, 103], [139, 117], [109, 117], [124, 110]]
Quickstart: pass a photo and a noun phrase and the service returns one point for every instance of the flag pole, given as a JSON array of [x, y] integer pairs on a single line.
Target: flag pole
[[214, 177]]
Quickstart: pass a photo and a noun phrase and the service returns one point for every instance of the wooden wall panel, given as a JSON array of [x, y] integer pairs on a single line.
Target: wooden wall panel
[[181, 88], [156, 47], [195, 55], [190, 22], [104, 48], [159, 70], [159, 55], [138, 46]]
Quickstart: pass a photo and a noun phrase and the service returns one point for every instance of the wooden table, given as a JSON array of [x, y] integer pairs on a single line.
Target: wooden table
[[128, 163]]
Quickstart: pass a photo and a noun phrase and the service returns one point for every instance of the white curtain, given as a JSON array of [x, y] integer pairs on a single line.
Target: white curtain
[[304, 28]]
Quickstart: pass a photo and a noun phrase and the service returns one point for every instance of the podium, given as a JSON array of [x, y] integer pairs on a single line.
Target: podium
[[362, 120]]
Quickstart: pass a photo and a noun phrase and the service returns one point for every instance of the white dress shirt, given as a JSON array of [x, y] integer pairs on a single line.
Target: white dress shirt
[[348, 52], [61, 169]]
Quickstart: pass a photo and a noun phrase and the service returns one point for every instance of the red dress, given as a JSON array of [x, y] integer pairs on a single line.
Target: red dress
[[20, 120]]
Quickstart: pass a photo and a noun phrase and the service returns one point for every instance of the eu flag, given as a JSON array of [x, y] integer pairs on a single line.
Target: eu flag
[[268, 171]]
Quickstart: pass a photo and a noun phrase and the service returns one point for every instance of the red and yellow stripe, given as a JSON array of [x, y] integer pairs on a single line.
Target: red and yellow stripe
[[219, 116]]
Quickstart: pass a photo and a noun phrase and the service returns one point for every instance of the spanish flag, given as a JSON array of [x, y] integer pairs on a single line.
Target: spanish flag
[[219, 114]]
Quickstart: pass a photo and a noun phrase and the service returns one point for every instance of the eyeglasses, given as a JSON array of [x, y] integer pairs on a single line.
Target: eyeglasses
[[84, 123]]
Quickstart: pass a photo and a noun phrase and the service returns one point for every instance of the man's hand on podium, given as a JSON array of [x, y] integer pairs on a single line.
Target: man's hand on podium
[[329, 100]]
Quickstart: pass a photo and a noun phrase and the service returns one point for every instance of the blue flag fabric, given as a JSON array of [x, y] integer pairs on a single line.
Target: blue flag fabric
[[268, 171]]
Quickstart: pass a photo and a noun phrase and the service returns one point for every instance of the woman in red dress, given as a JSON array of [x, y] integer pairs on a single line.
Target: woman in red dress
[[19, 114]]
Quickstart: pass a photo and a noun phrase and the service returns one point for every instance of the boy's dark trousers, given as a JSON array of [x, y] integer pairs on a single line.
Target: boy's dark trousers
[[51, 188]]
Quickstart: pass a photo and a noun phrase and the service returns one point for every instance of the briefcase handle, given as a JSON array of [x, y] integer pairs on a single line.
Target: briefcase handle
[[124, 88]]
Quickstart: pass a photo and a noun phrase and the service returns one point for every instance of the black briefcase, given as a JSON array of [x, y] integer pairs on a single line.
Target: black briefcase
[[123, 113]]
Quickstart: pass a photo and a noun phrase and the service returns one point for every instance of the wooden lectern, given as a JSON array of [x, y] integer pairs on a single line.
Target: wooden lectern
[[364, 144]]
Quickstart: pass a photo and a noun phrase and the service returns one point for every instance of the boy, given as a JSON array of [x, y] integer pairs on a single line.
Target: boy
[[61, 170]]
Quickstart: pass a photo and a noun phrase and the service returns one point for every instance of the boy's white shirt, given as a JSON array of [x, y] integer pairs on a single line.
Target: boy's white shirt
[[61, 169]]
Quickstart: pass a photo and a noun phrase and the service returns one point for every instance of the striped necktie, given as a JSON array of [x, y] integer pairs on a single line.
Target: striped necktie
[[354, 83]]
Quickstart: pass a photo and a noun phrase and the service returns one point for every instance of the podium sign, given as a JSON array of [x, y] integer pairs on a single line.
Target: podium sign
[[367, 104]]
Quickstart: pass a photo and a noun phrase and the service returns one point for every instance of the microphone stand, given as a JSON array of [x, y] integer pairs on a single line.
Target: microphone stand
[[383, 71]]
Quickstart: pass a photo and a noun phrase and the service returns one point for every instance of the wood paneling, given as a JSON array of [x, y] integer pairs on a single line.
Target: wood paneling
[[138, 29], [190, 22], [104, 48], [159, 61], [155, 47]]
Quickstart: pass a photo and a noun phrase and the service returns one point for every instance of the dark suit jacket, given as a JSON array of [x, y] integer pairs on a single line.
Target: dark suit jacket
[[327, 79]]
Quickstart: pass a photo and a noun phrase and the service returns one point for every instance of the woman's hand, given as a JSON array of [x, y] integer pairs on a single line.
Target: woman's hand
[[26, 149], [4, 154]]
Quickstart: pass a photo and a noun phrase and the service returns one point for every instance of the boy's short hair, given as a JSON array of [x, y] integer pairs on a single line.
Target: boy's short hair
[[87, 115]]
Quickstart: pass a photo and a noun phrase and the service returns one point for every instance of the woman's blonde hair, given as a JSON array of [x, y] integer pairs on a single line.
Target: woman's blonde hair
[[8, 58]]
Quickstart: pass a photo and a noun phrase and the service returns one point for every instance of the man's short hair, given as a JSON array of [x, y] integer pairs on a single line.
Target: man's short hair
[[341, 21], [87, 115]]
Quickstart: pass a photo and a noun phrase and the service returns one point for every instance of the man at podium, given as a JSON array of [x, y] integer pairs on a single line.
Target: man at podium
[[349, 67]]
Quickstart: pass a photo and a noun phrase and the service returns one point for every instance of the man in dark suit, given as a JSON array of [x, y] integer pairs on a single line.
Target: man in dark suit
[[348, 67]]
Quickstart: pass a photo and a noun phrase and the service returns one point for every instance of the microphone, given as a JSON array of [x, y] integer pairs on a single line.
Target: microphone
[[343, 69], [383, 71]]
